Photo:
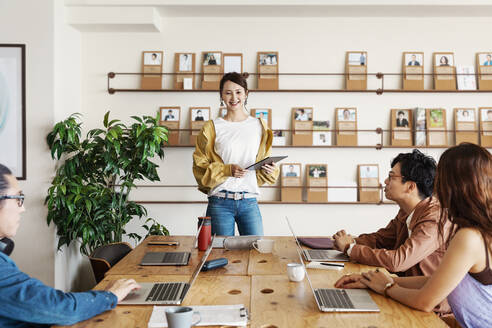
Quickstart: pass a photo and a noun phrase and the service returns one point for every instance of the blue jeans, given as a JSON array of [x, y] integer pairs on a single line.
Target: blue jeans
[[225, 211]]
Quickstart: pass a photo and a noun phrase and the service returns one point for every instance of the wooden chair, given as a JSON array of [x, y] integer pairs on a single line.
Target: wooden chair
[[104, 257]]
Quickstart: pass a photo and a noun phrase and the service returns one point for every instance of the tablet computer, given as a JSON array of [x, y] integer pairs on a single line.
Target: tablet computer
[[268, 160]]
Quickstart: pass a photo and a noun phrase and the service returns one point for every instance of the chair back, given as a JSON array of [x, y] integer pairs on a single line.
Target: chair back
[[106, 256]]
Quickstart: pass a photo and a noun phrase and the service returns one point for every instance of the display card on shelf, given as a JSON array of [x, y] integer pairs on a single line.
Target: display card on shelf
[[356, 70], [484, 70], [317, 183], [198, 117], [413, 70], [485, 126], [346, 126], [465, 125], [212, 69], [170, 118], [321, 133], [401, 127], [233, 63], [465, 77], [290, 179], [264, 113], [420, 125], [302, 126], [152, 69], [184, 62], [368, 183], [444, 70], [436, 127], [267, 68]]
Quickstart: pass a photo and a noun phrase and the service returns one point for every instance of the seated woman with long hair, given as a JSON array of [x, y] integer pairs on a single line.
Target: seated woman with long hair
[[464, 187]]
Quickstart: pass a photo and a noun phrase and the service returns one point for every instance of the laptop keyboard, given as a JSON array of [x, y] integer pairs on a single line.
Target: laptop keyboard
[[164, 291], [334, 298], [318, 253], [174, 257]]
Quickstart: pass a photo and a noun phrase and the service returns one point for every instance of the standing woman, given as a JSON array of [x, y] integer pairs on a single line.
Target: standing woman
[[464, 187], [224, 147]]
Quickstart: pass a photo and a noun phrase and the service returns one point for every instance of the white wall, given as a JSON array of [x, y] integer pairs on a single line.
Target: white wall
[[31, 22], [304, 45]]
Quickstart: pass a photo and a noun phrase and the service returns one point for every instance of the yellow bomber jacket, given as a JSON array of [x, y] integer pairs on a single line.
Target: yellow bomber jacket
[[209, 169]]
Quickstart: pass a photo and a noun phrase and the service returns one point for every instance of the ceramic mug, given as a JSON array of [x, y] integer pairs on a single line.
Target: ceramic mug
[[295, 271], [181, 317], [264, 245]]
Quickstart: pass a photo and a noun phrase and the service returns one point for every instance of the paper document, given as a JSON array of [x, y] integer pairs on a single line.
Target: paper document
[[212, 315]]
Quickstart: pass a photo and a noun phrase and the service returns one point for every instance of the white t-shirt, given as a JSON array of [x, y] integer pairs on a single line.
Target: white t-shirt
[[238, 143]]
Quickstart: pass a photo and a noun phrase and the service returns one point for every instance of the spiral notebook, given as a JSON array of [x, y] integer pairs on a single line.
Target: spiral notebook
[[211, 315]]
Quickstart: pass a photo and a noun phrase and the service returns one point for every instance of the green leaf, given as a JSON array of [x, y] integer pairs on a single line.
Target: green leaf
[[105, 121]]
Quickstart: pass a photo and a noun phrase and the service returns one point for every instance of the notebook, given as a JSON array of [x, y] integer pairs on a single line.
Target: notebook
[[165, 292], [338, 300], [169, 258], [320, 255]]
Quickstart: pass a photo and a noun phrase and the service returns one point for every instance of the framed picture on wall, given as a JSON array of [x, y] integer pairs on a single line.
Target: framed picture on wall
[[13, 108]]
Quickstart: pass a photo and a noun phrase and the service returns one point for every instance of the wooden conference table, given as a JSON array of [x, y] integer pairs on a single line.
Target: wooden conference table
[[259, 281]]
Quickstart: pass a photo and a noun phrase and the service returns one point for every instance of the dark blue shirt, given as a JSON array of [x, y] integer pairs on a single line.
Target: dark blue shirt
[[27, 302]]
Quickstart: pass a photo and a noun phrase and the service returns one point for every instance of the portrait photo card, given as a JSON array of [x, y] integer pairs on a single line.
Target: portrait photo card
[[267, 68], [184, 62], [413, 70], [401, 127], [170, 117], [368, 183], [290, 178], [346, 126], [152, 69], [317, 183], [465, 125]]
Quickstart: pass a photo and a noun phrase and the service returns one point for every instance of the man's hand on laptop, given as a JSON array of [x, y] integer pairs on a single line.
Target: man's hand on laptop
[[342, 241], [122, 287], [350, 281]]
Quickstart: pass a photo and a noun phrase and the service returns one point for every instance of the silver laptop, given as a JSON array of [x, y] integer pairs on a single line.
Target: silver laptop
[[169, 258], [320, 255], [338, 300], [165, 292]]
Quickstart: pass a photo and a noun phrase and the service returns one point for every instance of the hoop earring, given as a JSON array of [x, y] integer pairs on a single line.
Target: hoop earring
[[221, 102]]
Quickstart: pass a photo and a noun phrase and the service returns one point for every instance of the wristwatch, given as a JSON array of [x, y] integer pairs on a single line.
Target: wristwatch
[[387, 287]]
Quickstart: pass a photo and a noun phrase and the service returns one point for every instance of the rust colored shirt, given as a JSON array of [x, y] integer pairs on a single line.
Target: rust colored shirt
[[415, 255], [393, 248]]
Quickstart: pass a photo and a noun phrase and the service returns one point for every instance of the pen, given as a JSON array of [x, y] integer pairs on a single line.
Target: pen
[[333, 264]]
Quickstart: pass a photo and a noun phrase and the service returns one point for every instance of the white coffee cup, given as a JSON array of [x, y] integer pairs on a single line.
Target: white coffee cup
[[264, 245], [181, 317], [295, 271]]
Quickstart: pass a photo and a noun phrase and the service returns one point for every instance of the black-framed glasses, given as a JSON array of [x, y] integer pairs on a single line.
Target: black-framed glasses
[[20, 198]]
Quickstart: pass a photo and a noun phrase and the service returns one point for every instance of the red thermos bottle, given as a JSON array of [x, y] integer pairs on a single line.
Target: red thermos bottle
[[205, 235]]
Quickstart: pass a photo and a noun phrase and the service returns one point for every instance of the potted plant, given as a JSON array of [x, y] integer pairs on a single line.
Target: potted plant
[[88, 200]]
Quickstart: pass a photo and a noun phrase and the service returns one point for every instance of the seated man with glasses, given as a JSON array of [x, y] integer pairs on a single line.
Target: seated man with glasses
[[409, 245]]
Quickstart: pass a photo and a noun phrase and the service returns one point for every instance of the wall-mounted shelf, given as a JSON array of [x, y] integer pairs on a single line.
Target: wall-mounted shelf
[[379, 131], [264, 202], [271, 202], [379, 76]]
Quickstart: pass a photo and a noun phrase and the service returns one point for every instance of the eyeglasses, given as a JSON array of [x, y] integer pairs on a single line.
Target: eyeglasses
[[391, 176], [20, 198]]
